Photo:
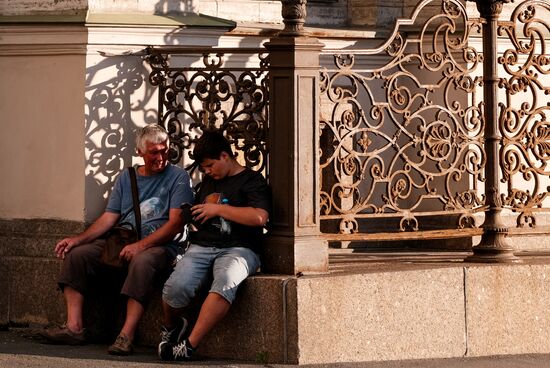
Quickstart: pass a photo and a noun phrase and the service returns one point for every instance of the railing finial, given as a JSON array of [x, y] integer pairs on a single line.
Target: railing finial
[[294, 17], [490, 8]]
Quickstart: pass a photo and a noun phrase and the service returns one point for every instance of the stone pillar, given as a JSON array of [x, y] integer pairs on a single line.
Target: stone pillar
[[493, 246], [295, 245]]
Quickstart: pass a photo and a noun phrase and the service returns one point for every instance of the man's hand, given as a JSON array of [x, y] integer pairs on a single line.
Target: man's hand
[[130, 251], [64, 246], [99, 227]]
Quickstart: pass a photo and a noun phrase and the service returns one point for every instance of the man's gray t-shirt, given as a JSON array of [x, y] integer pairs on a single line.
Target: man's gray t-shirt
[[157, 195]]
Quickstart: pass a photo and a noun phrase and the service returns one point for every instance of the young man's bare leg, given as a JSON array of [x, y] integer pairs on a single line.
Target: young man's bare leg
[[213, 310], [170, 316]]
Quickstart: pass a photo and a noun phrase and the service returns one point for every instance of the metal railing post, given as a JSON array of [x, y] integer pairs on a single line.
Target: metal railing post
[[493, 246]]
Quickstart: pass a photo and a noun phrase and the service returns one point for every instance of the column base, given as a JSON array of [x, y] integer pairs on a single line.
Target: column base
[[292, 255], [493, 248]]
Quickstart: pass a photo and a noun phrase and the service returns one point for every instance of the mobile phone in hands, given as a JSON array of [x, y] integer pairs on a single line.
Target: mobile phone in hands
[[186, 214]]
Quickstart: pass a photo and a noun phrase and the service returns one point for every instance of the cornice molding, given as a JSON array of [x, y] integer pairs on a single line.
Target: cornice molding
[[26, 40], [42, 50], [121, 19], [34, 40]]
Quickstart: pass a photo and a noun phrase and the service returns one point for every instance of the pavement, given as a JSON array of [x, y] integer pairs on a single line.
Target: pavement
[[18, 349]]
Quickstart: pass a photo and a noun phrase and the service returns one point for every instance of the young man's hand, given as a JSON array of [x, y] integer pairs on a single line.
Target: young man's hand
[[206, 211], [248, 216]]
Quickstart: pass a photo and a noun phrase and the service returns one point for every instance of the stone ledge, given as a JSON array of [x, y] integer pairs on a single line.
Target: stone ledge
[[507, 309], [369, 307], [384, 312], [411, 311], [41, 227], [413, 314]]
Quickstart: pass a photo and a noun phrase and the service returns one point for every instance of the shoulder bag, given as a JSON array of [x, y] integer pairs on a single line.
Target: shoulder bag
[[124, 233]]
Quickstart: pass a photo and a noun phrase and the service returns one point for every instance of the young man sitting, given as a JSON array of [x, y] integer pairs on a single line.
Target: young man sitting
[[224, 245]]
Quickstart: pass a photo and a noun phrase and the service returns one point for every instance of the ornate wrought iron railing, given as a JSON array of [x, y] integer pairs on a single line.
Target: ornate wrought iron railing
[[402, 132], [207, 88], [524, 111], [412, 148], [431, 135]]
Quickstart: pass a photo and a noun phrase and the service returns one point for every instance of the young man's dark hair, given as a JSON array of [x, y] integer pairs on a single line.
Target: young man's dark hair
[[211, 145]]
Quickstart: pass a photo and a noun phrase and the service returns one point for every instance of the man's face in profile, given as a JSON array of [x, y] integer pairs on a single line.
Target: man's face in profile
[[155, 157]]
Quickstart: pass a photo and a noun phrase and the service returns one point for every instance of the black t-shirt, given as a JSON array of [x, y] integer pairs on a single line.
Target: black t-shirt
[[245, 189]]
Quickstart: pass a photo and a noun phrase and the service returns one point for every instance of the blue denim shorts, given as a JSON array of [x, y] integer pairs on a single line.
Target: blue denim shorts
[[230, 266]]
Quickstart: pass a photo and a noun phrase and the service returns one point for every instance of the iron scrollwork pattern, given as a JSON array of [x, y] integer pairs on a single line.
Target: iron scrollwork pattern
[[403, 139], [524, 124], [213, 96]]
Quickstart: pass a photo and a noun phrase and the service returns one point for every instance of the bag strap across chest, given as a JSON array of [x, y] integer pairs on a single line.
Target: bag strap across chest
[[135, 200]]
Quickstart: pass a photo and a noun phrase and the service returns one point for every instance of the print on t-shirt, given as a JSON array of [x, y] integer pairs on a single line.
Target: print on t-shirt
[[223, 225]]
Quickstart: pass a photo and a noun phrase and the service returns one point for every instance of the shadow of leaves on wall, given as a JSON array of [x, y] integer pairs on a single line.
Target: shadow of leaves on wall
[[116, 98]]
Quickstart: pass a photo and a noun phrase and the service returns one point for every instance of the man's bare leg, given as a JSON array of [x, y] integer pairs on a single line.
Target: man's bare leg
[[134, 312], [123, 343], [74, 302]]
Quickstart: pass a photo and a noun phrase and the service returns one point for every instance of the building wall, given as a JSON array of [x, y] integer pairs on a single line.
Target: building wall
[[42, 109], [319, 13], [67, 7], [250, 11], [71, 99], [24, 7], [90, 83]]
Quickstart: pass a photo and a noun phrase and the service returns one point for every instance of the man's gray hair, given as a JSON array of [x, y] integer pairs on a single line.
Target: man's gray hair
[[151, 133]]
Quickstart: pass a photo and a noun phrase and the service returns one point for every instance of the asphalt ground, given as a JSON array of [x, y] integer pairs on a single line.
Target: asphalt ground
[[19, 349]]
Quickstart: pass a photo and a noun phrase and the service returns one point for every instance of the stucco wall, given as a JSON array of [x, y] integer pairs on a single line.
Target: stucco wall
[[118, 100], [41, 141], [19, 7]]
